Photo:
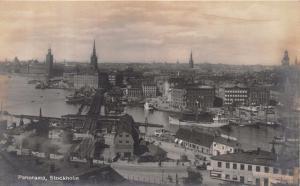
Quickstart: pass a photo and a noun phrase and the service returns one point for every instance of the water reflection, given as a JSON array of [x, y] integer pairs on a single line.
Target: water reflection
[[23, 98]]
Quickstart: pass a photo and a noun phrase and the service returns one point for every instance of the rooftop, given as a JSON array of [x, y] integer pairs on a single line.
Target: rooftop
[[258, 157], [195, 137], [227, 141]]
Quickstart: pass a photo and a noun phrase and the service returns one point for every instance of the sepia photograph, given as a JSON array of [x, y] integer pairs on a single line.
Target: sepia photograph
[[149, 93]]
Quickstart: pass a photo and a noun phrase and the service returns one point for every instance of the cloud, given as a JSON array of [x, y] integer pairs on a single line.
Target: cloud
[[234, 32]]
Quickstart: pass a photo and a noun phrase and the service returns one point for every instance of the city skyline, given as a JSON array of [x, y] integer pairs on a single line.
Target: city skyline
[[229, 33]]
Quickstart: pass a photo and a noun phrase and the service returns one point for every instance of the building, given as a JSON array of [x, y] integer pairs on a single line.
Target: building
[[56, 134], [259, 95], [224, 145], [200, 97], [49, 63], [178, 97], [94, 58], [236, 96], [193, 140], [103, 81], [85, 80], [123, 144], [126, 137], [161, 81], [112, 79], [134, 93], [191, 61], [285, 60], [255, 168], [68, 77], [37, 68], [149, 90]]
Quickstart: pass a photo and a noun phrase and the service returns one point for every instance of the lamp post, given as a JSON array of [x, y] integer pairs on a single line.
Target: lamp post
[[197, 103]]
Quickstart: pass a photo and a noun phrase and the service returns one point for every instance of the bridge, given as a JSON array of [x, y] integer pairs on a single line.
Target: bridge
[[92, 121], [71, 119]]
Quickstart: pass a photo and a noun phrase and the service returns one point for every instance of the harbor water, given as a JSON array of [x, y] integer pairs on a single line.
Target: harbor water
[[19, 97]]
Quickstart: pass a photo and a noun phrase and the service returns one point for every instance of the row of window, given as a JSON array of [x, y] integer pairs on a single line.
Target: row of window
[[230, 99], [195, 147], [242, 180], [126, 135], [120, 141], [257, 168], [236, 95], [236, 91]]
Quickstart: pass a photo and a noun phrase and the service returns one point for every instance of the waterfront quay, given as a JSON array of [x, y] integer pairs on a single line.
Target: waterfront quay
[[142, 128]]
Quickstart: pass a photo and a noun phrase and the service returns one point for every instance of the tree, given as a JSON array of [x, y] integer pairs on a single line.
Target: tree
[[218, 102], [194, 178]]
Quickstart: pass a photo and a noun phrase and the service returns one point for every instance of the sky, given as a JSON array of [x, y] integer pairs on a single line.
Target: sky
[[216, 32]]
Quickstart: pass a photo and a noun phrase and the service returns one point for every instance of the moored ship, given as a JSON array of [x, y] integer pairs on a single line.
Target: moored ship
[[78, 99], [206, 121], [148, 106]]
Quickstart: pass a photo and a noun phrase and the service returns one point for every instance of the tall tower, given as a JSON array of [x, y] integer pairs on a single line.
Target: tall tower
[[49, 62], [191, 61], [285, 60], [94, 58]]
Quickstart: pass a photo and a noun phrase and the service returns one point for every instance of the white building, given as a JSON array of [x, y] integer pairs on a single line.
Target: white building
[[85, 80], [69, 77], [255, 168], [56, 134], [236, 95], [224, 145], [149, 90]]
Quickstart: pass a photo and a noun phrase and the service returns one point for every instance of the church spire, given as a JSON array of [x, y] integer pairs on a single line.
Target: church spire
[[94, 58], [191, 61], [94, 48]]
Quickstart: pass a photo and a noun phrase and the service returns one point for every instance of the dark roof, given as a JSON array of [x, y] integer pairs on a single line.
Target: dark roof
[[155, 150], [257, 157], [236, 87], [197, 87], [227, 141], [194, 136], [127, 124]]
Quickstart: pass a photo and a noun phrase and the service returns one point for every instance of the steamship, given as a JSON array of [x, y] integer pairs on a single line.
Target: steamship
[[203, 120]]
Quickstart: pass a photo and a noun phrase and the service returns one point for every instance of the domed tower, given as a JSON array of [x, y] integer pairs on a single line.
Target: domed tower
[[285, 60]]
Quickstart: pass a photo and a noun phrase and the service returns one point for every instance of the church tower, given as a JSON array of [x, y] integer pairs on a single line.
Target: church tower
[[285, 60], [94, 58], [191, 61], [49, 62]]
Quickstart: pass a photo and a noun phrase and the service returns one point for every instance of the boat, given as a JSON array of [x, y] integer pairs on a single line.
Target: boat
[[75, 99], [148, 106], [33, 81], [40, 86], [217, 121], [283, 139], [161, 132]]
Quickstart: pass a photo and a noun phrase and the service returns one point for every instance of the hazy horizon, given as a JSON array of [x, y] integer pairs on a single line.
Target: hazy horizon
[[247, 33]]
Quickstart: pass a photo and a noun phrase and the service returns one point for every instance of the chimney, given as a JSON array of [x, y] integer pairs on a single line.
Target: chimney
[[258, 150], [273, 149]]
